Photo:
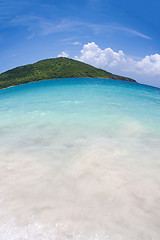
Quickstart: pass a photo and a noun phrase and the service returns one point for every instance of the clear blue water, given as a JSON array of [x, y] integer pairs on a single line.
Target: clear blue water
[[80, 159]]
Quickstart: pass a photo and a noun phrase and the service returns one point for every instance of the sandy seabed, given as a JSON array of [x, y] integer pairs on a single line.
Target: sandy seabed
[[78, 169]]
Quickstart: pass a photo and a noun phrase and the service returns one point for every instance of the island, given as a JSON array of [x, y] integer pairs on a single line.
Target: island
[[54, 68]]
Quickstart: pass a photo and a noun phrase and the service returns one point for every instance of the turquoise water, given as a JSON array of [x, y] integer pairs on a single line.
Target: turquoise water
[[80, 159]]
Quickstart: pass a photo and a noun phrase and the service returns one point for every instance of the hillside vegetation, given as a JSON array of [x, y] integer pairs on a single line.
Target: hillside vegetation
[[51, 69]]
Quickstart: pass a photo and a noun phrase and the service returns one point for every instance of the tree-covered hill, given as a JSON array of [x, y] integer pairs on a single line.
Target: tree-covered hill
[[51, 69]]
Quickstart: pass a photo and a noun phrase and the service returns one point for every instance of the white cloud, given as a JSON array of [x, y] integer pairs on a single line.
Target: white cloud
[[110, 60], [149, 64], [76, 43], [131, 31], [45, 26], [63, 54], [98, 28]]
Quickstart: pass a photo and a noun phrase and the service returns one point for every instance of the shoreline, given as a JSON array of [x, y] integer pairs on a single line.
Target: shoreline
[[69, 78]]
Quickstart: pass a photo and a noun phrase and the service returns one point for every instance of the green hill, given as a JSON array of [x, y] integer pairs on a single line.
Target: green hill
[[51, 69]]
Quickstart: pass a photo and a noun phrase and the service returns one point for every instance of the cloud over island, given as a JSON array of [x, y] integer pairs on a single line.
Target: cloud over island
[[63, 54], [108, 59]]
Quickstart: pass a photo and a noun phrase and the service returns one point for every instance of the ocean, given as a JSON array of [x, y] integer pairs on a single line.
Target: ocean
[[80, 159]]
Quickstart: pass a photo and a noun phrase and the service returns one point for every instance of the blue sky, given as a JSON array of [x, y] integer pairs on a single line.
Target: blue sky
[[119, 36]]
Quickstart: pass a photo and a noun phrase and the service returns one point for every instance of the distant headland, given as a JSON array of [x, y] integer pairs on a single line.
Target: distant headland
[[52, 69]]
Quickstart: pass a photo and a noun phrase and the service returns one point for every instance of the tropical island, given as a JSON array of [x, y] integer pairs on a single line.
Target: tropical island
[[54, 68]]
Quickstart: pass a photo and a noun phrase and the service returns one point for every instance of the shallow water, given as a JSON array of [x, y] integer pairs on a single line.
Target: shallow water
[[80, 159]]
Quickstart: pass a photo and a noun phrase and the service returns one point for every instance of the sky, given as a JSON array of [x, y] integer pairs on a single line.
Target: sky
[[120, 36]]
